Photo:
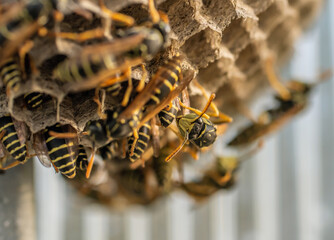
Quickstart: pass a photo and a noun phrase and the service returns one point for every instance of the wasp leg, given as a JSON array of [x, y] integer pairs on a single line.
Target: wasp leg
[[198, 112], [57, 110], [155, 138], [141, 84], [13, 164], [153, 12], [90, 164], [225, 179], [100, 105], [128, 91], [57, 16], [178, 149], [80, 37], [63, 135], [273, 80], [28, 45], [54, 166], [2, 134], [136, 136], [124, 141], [216, 113], [119, 17]]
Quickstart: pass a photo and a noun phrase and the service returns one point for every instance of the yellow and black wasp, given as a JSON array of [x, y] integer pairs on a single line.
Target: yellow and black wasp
[[62, 152], [13, 140], [197, 128]]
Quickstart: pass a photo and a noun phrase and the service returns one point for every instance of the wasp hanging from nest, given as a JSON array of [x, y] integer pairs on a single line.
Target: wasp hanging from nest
[[292, 99]]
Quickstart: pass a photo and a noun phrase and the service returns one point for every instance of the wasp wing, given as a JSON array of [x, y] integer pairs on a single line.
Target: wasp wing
[[41, 150]]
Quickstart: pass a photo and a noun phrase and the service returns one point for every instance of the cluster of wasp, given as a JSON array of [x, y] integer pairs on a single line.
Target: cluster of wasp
[[126, 133]]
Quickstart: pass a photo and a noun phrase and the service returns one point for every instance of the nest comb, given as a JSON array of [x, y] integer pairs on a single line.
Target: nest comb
[[225, 44]]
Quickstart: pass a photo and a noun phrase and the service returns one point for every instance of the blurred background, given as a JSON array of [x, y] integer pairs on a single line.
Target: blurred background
[[284, 192]]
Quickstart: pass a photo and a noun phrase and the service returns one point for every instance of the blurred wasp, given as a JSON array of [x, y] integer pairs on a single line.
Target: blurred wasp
[[139, 184], [61, 152], [20, 22], [289, 105], [223, 175], [101, 63], [11, 75]]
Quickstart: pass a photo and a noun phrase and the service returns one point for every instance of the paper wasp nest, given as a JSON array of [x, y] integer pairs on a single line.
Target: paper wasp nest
[[225, 43]]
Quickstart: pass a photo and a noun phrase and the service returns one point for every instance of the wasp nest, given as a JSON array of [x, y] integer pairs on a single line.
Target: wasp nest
[[224, 44]]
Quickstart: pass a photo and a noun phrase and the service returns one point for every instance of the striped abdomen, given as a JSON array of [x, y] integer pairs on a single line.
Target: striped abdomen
[[133, 181], [30, 13], [82, 160], [35, 99], [10, 74], [11, 140], [169, 73], [60, 152], [85, 68], [167, 116], [141, 144]]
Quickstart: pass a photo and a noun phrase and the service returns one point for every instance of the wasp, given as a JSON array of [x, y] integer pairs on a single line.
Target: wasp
[[273, 119], [223, 175], [163, 82], [62, 152], [13, 138], [100, 63], [197, 128], [140, 184], [35, 99]]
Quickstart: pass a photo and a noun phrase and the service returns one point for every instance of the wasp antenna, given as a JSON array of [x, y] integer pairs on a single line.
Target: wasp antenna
[[206, 107], [273, 80], [178, 149]]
